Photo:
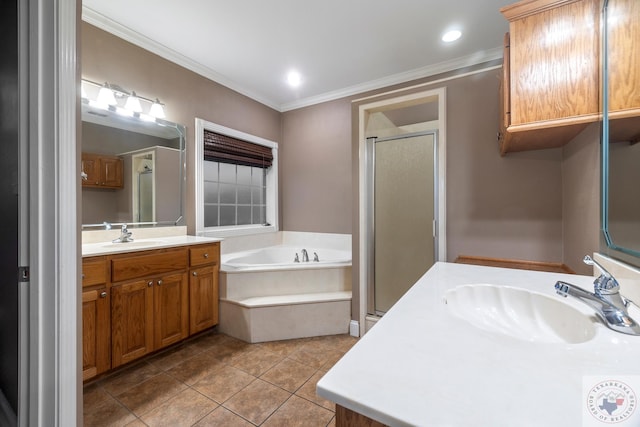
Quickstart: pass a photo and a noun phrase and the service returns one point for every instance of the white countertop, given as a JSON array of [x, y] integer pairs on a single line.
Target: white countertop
[[108, 248], [421, 365]]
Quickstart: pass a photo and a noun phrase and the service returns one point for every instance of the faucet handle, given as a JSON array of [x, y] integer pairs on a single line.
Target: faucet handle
[[124, 228], [605, 281]]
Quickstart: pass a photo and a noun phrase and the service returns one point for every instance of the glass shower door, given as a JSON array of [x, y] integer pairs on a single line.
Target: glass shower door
[[403, 196]]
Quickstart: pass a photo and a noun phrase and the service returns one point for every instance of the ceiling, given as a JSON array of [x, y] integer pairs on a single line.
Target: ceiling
[[340, 47]]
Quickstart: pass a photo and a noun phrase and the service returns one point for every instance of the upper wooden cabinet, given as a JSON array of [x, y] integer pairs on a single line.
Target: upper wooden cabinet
[[551, 83], [102, 171], [624, 58]]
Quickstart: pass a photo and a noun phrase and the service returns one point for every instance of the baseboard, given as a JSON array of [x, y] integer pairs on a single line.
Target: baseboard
[[354, 328], [553, 267]]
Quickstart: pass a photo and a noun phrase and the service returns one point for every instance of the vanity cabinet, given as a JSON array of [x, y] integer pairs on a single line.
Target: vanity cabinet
[[96, 325], [102, 171], [203, 287], [150, 306], [550, 87], [135, 303]]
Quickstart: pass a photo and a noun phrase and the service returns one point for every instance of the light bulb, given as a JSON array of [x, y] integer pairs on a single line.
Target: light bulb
[[133, 103], [106, 97], [156, 110]]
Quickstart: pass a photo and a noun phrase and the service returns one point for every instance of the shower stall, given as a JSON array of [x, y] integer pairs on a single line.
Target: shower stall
[[402, 210]]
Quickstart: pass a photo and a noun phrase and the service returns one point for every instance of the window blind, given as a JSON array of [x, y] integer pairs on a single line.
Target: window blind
[[226, 149]]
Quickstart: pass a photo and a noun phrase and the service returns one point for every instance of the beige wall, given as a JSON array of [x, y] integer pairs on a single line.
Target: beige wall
[[581, 198], [187, 95], [316, 168]]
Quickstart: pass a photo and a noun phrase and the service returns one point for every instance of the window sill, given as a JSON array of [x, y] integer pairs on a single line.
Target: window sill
[[237, 231]]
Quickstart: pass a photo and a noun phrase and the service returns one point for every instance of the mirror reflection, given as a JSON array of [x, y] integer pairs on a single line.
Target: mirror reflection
[[621, 129], [132, 170]]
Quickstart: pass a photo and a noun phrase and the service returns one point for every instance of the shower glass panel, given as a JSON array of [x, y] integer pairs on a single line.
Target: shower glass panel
[[403, 214]]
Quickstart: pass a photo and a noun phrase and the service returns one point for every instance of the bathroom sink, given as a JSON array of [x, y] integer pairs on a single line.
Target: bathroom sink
[[520, 314], [134, 244]]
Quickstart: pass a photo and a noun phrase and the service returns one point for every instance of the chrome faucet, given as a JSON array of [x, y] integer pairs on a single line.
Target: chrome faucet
[[125, 235], [606, 299], [305, 256]]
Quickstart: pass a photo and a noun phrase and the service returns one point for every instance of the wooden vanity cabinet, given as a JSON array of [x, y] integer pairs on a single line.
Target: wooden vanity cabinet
[[149, 306], [96, 323], [550, 88], [102, 171], [203, 287]]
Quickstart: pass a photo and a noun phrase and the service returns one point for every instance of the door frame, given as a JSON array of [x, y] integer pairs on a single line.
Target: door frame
[[365, 235]]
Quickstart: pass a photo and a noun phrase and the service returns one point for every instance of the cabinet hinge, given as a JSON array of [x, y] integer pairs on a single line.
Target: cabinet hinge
[[23, 274]]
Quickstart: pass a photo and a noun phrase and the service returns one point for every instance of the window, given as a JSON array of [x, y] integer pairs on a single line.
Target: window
[[236, 182]]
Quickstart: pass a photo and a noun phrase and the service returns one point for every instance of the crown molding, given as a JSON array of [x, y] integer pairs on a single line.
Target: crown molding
[[96, 19], [418, 73]]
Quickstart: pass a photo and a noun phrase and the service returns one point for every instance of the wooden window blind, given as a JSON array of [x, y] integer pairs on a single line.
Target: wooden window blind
[[226, 149]]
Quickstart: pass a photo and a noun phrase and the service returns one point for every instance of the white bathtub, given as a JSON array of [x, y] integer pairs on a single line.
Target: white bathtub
[[266, 296], [283, 257]]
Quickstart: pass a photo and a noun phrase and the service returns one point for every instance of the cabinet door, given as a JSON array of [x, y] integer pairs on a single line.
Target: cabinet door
[[96, 358], [203, 298], [131, 321], [555, 65], [624, 58], [91, 166], [111, 172], [171, 309]]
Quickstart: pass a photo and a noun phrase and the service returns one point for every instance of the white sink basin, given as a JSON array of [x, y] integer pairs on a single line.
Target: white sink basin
[[135, 243], [520, 314]]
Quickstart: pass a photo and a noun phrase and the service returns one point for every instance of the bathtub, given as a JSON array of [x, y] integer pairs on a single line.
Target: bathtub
[[266, 296], [283, 258]]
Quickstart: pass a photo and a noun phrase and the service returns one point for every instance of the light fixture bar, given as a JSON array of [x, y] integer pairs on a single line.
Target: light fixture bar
[[109, 94]]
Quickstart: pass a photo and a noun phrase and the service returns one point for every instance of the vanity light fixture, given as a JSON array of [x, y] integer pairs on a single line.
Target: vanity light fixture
[[106, 96], [133, 103], [451, 36], [113, 97], [157, 110]]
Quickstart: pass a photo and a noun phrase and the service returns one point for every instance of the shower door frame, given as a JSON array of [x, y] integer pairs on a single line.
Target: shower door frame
[[383, 102], [370, 156]]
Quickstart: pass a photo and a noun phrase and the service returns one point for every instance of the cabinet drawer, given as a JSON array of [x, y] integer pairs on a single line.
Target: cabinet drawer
[[94, 271], [149, 264], [204, 254]]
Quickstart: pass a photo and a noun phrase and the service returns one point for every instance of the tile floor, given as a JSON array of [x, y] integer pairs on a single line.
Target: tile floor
[[216, 380]]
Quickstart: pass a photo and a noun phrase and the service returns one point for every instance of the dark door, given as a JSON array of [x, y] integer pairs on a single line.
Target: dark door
[[9, 157]]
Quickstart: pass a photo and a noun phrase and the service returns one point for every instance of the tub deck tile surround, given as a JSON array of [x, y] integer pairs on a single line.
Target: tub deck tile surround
[[286, 301]]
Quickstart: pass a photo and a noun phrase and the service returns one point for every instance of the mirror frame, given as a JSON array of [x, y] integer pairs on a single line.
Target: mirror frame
[[607, 245], [182, 134]]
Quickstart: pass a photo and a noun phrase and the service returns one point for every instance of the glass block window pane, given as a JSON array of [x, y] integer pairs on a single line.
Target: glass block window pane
[[227, 173], [228, 193], [227, 215], [244, 195], [211, 215], [244, 214], [234, 194], [210, 192]]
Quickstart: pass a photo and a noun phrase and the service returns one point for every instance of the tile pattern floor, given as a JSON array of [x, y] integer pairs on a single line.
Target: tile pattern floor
[[216, 380]]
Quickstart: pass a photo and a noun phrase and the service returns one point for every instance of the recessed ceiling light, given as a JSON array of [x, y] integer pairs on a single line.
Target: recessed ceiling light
[[451, 36], [294, 78]]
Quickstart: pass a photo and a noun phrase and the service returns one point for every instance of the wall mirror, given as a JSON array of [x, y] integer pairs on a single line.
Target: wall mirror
[[621, 130], [144, 165]]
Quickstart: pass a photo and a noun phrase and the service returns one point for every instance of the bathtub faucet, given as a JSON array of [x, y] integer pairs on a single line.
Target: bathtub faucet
[[305, 256]]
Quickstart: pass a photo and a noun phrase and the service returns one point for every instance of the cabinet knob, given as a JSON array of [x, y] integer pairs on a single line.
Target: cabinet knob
[[195, 273], [206, 255], [150, 283], [159, 282], [103, 294], [82, 276]]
